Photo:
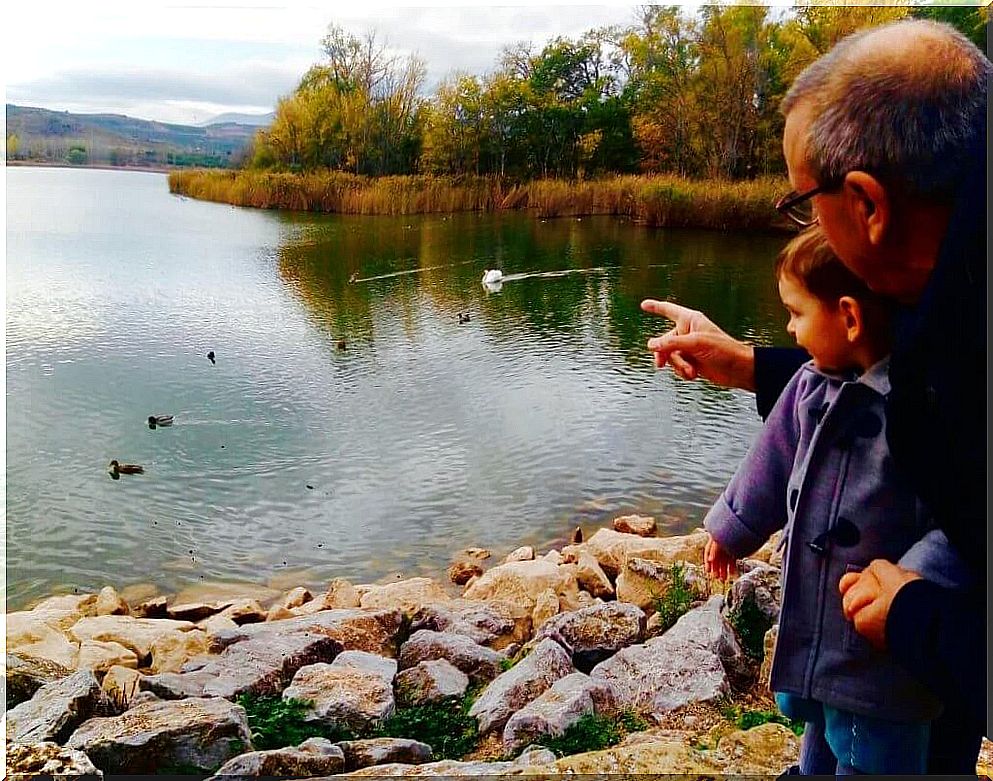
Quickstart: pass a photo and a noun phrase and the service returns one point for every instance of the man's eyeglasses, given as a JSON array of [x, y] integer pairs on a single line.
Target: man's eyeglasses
[[797, 206]]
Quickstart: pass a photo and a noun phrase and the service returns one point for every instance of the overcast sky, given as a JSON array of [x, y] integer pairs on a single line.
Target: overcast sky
[[187, 61]]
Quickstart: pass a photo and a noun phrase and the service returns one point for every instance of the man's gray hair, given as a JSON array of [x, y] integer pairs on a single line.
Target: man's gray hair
[[904, 101]]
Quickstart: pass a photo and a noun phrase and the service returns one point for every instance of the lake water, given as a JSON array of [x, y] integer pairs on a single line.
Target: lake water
[[292, 462]]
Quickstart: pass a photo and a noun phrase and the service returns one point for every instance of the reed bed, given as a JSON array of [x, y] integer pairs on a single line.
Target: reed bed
[[657, 201]]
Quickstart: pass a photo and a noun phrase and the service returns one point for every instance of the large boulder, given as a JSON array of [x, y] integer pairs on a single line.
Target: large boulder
[[429, 682], [520, 583], [495, 624], [409, 595], [481, 664], [525, 681], [84, 604], [356, 690], [692, 662], [597, 632], [591, 576], [612, 549], [42, 634], [189, 736], [261, 665], [766, 750], [674, 757], [100, 656], [375, 631], [313, 757], [121, 685], [57, 708], [36, 760], [760, 585], [381, 751], [25, 675], [553, 712], [644, 582], [171, 651], [110, 603], [138, 634], [546, 606]]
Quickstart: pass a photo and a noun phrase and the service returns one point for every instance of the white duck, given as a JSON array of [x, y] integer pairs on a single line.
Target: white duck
[[492, 275]]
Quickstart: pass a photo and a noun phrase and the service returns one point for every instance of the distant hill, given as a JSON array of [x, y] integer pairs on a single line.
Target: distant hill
[[37, 134], [255, 120]]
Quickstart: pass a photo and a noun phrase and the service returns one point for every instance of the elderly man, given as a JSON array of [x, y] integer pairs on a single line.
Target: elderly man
[[885, 143]]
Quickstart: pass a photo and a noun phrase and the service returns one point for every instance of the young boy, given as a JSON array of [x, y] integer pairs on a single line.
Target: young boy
[[821, 471]]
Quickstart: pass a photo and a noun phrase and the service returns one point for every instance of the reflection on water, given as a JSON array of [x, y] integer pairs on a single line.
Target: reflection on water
[[293, 460]]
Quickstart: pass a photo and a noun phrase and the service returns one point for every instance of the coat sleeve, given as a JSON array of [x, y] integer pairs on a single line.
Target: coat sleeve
[[753, 505], [774, 366], [939, 635], [933, 557]]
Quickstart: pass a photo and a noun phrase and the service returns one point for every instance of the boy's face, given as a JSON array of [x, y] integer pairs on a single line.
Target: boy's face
[[818, 327]]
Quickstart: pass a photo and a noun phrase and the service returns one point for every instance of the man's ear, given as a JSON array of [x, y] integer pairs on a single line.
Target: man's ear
[[870, 204], [851, 313]]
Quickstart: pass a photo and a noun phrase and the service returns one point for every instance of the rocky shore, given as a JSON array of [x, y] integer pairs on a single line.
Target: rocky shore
[[613, 655]]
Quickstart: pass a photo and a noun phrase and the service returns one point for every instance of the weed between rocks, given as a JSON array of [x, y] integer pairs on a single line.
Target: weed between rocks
[[750, 624], [444, 725], [278, 723], [676, 600], [593, 733], [746, 719]]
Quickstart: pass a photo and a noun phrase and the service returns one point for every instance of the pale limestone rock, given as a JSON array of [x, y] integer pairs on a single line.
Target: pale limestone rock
[[520, 583], [524, 553], [228, 593], [612, 549], [481, 664], [446, 768], [769, 646], [195, 611], [693, 661], [172, 650], [41, 634], [216, 624], [296, 598], [429, 681], [381, 751], [554, 556], [56, 709], [535, 756], [340, 595], [244, 611], [591, 577], [461, 572], [408, 595], [376, 631], [674, 758], [138, 634], [767, 749], [84, 604], [643, 582], [521, 684], [760, 585], [597, 632], [110, 603], [156, 607], [30, 761], [553, 712], [121, 685], [191, 733], [355, 690], [480, 554], [642, 525], [263, 664], [25, 675], [100, 656], [546, 605], [495, 624], [280, 613], [768, 550], [313, 757]]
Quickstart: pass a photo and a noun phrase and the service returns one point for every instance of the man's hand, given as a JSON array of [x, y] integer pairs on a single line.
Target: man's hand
[[866, 597], [695, 347], [717, 562]]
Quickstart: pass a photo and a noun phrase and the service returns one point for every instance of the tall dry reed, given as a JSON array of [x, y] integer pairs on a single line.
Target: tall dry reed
[[658, 201]]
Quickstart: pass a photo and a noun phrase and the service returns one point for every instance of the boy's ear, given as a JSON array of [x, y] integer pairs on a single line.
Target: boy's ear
[[851, 314]]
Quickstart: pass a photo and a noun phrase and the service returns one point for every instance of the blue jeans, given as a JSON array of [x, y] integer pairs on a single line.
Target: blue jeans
[[837, 742]]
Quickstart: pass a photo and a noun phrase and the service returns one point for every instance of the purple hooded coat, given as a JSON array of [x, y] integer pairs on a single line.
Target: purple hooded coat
[[821, 470]]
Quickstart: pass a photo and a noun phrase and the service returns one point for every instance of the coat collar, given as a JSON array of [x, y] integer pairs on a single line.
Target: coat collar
[[876, 377]]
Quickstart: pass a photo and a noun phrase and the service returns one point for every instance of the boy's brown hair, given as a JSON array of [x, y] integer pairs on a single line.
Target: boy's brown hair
[[810, 261]]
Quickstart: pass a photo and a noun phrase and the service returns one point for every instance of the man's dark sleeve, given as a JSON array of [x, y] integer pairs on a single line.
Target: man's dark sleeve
[[939, 636], [774, 366]]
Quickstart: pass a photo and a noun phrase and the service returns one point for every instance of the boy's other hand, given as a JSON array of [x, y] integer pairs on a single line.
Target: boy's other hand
[[866, 597], [695, 347], [717, 562]]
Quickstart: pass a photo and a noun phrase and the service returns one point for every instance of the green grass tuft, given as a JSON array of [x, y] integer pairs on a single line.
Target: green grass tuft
[[277, 723], [445, 725], [750, 624], [746, 719], [677, 598], [594, 733]]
